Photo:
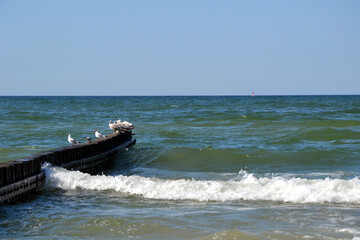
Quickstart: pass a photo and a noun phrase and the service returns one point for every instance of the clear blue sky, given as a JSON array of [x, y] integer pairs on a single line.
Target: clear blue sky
[[179, 47]]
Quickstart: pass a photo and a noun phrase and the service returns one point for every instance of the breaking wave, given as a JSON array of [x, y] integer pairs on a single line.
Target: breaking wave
[[245, 186]]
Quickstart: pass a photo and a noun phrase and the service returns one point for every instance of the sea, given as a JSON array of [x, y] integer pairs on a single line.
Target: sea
[[203, 167]]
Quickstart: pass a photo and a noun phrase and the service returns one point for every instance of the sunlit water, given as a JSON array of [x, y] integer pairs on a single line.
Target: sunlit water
[[202, 168]]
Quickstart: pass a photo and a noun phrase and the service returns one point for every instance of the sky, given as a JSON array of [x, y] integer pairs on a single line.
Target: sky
[[165, 47]]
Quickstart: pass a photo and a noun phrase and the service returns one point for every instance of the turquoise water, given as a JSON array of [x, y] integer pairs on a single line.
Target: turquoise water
[[267, 167]]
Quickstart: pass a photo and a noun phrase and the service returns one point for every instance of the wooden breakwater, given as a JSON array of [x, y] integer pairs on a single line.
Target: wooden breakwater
[[22, 177]]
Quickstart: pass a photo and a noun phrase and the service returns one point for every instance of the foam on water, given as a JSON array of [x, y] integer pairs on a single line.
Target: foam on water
[[245, 187]]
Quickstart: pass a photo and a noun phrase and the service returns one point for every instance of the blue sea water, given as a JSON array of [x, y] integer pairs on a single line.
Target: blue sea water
[[224, 167]]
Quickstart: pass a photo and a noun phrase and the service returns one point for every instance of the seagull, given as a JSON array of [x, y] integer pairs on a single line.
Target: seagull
[[98, 135], [128, 124], [72, 141], [89, 139], [113, 126], [124, 124]]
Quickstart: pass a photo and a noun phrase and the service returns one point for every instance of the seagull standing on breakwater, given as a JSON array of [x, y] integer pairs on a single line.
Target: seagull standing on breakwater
[[89, 139], [124, 125], [113, 126], [128, 124], [98, 135], [72, 141]]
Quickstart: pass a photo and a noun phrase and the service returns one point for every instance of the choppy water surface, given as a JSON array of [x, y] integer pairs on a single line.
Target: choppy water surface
[[202, 168]]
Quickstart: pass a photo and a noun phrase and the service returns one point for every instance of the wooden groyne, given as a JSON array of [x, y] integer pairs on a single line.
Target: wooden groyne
[[22, 177]]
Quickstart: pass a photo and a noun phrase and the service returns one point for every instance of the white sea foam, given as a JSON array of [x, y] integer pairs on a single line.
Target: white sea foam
[[352, 231], [349, 230], [246, 187]]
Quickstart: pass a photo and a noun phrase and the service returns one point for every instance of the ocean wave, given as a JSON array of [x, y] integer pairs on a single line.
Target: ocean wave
[[244, 187]]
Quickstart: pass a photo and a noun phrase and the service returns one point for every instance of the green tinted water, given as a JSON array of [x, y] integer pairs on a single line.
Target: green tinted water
[[203, 167]]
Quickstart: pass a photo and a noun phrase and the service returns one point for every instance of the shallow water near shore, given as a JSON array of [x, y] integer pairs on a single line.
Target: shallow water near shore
[[263, 167]]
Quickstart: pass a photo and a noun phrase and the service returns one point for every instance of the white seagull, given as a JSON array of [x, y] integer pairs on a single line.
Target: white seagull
[[71, 140], [128, 124], [124, 124], [98, 135], [113, 126]]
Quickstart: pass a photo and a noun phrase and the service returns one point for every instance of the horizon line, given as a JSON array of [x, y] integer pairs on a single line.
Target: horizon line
[[185, 95]]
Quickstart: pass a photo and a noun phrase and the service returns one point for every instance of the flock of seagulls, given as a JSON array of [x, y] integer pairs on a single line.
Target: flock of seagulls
[[117, 126]]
